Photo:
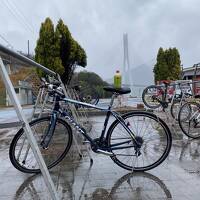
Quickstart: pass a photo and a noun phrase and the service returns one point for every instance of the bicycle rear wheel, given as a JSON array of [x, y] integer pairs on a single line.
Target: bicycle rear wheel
[[150, 131], [151, 95], [21, 154], [189, 119]]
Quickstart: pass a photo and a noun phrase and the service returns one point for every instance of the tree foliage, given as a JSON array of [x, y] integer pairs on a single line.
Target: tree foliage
[[58, 51], [91, 82], [168, 65]]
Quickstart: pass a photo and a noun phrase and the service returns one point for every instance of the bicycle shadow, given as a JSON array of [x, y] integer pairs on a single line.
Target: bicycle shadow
[[140, 185]]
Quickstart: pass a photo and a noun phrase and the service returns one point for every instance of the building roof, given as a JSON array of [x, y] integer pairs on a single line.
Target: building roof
[[189, 71]]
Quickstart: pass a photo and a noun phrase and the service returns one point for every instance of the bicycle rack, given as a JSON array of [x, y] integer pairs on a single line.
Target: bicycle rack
[[42, 109], [23, 121], [75, 115], [12, 94], [47, 178]]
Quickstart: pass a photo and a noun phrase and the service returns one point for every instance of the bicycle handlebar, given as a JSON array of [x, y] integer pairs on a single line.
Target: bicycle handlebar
[[45, 83], [53, 87]]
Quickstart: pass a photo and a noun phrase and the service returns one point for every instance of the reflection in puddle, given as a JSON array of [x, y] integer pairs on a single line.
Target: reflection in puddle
[[134, 186], [35, 188], [187, 152], [130, 186]]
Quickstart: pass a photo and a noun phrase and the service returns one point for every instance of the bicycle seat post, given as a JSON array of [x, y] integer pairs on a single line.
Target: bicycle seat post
[[112, 101]]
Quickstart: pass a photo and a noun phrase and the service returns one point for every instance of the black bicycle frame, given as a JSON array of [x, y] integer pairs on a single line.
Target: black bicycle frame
[[67, 116]]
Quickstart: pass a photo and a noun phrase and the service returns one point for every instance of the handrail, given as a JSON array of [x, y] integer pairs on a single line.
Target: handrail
[[25, 59]]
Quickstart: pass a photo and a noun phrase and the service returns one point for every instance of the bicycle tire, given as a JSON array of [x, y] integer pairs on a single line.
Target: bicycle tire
[[186, 119], [19, 160], [148, 100], [158, 129]]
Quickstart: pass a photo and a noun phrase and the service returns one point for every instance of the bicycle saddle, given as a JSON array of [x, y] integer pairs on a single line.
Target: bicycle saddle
[[166, 82], [123, 90]]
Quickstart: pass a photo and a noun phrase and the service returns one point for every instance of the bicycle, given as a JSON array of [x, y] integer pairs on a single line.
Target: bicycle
[[189, 119], [85, 94], [185, 93], [156, 96], [135, 141]]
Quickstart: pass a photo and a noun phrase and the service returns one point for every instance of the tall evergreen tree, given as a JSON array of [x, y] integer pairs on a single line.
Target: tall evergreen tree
[[71, 53], [58, 51], [45, 48], [168, 64]]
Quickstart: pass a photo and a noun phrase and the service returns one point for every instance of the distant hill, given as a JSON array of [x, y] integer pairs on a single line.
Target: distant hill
[[142, 75]]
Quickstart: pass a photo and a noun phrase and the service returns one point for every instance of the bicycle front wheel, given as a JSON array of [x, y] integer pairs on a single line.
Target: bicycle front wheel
[[21, 154], [189, 119], [153, 134], [151, 96]]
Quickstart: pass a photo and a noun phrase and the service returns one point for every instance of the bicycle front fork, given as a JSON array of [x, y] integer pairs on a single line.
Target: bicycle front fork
[[49, 132]]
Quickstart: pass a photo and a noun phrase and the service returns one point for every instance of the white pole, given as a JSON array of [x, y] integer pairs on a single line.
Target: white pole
[[28, 131], [126, 69]]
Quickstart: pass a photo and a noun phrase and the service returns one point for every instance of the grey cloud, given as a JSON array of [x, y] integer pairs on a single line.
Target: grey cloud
[[99, 26]]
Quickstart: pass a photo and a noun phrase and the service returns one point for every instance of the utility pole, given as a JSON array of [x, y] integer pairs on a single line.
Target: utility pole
[[28, 48]]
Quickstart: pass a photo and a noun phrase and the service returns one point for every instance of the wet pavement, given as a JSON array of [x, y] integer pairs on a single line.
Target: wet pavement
[[10, 115], [178, 177]]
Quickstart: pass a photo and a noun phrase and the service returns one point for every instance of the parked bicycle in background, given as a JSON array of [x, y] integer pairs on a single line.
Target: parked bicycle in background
[[172, 94]]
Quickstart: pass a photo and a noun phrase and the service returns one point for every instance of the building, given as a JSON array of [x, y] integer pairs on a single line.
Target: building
[[24, 93], [193, 73], [18, 73]]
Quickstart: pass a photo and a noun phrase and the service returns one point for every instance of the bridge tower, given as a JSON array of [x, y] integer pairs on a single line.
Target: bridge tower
[[126, 74]]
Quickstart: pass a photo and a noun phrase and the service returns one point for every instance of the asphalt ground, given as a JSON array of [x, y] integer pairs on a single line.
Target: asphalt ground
[[178, 177]]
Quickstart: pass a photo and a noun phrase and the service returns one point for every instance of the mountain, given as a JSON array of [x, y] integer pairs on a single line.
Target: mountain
[[142, 75]]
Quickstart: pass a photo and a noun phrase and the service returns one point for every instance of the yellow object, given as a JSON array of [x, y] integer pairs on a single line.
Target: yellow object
[[117, 79]]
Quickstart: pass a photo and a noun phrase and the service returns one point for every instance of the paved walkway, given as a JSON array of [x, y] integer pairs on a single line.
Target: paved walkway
[[177, 178]]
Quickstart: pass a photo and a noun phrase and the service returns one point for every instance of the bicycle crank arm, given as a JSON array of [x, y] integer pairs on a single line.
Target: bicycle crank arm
[[104, 152]]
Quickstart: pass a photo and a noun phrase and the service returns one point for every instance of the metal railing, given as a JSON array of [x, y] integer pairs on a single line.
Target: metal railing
[[21, 116]]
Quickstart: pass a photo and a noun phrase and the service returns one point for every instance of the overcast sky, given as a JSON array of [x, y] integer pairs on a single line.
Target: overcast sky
[[98, 25]]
